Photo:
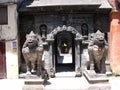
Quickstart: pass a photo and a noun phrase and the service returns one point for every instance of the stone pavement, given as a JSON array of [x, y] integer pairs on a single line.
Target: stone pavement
[[11, 84], [67, 84], [58, 83], [115, 83]]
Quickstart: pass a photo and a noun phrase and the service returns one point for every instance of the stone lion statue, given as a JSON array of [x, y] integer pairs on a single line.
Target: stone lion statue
[[32, 51], [97, 50]]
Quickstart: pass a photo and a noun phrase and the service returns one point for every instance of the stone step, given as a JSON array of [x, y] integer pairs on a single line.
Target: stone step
[[34, 81], [33, 87], [33, 84]]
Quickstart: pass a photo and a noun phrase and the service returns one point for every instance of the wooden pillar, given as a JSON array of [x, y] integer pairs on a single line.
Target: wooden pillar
[[115, 42]]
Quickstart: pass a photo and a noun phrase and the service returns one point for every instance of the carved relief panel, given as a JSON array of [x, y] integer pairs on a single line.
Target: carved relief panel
[[75, 20]]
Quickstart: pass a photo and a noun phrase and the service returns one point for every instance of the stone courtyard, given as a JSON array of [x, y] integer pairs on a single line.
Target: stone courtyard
[[63, 81]]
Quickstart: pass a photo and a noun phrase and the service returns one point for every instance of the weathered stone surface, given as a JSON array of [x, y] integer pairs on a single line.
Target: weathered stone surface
[[32, 51], [34, 82], [97, 81], [100, 86], [93, 78], [33, 87], [98, 52]]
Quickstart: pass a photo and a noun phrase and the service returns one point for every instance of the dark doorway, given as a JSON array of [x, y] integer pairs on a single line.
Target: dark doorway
[[26, 25], [64, 52], [2, 60]]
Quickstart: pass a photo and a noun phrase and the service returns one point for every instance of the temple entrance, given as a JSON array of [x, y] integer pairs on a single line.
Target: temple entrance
[[64, 52]]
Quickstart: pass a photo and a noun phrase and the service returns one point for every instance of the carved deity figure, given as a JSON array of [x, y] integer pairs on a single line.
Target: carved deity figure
[[32, 52], [97, 50]]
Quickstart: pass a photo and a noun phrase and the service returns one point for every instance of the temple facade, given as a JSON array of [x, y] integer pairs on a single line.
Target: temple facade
[[66, 28]]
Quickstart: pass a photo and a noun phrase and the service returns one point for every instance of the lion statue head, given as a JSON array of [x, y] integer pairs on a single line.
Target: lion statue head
[[32, 40], [99, 37]]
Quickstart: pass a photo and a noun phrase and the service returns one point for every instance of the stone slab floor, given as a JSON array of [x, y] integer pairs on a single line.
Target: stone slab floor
[[67, 84], [58, 83]]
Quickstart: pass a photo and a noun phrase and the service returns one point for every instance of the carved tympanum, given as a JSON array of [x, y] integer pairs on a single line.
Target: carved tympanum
[[97, 50]]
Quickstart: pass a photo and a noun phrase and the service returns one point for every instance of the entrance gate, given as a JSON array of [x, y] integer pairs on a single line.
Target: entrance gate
[[59, 42], [64, 52]]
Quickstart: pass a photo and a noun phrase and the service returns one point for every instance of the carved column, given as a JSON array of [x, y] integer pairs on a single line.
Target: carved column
[[78, 57], [51, 58]]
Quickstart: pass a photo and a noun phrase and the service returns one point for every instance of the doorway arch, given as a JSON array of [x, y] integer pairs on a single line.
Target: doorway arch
[[64, 46], [77, 38], [64, 28]]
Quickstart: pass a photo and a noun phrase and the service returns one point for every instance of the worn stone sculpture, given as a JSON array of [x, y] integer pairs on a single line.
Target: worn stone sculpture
[[32, 52], [97, 50]]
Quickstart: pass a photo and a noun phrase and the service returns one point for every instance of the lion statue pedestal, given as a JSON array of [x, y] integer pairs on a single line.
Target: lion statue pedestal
[[97, 50]]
